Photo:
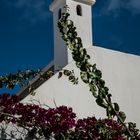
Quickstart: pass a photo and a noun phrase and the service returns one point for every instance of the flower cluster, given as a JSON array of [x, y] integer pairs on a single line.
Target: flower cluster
[[93, 129], [58, 122]]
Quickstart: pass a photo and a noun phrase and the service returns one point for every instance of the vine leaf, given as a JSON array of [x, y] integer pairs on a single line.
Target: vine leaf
[[122, 115], [60, 75], [93, 90], [116, 106], [67, 72], [85, 76], [101, 102]]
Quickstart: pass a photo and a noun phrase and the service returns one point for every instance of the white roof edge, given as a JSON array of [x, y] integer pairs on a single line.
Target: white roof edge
[[55, 2], [35, 79], [115, 51], [51, 7], [89, 2]]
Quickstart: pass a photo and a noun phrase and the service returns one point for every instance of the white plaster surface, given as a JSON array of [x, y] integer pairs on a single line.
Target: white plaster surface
[[83, 24], [122, 75], [120, 71]]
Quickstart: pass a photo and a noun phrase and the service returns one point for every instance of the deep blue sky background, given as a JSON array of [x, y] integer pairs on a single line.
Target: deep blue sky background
[[26, 31]]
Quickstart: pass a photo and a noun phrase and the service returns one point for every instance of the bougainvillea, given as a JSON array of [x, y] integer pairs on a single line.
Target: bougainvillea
[[59, 122]]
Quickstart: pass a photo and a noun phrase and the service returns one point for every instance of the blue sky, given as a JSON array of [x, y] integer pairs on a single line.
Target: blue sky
[[26, 31]]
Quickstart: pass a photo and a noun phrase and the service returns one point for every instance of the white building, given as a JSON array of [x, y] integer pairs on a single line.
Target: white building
[[121, 71]]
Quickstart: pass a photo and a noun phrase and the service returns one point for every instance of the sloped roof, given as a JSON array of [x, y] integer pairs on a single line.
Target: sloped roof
[[37, 81]]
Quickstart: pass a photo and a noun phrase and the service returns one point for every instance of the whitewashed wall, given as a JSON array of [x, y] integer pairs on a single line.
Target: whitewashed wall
[[62, 56], [121, 73]]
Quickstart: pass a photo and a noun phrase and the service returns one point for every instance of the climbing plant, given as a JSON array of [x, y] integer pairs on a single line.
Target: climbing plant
[[60, 123], [20, 78], [23, 78], [93, 76]]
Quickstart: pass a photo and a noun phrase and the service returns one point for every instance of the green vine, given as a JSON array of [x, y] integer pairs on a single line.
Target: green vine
[[19, 78], [70, 74], [23, 78], [93, 76]]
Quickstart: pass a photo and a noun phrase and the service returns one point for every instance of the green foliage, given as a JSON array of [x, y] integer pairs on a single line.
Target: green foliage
[[70, 74], [19, 78], [122, 116]]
